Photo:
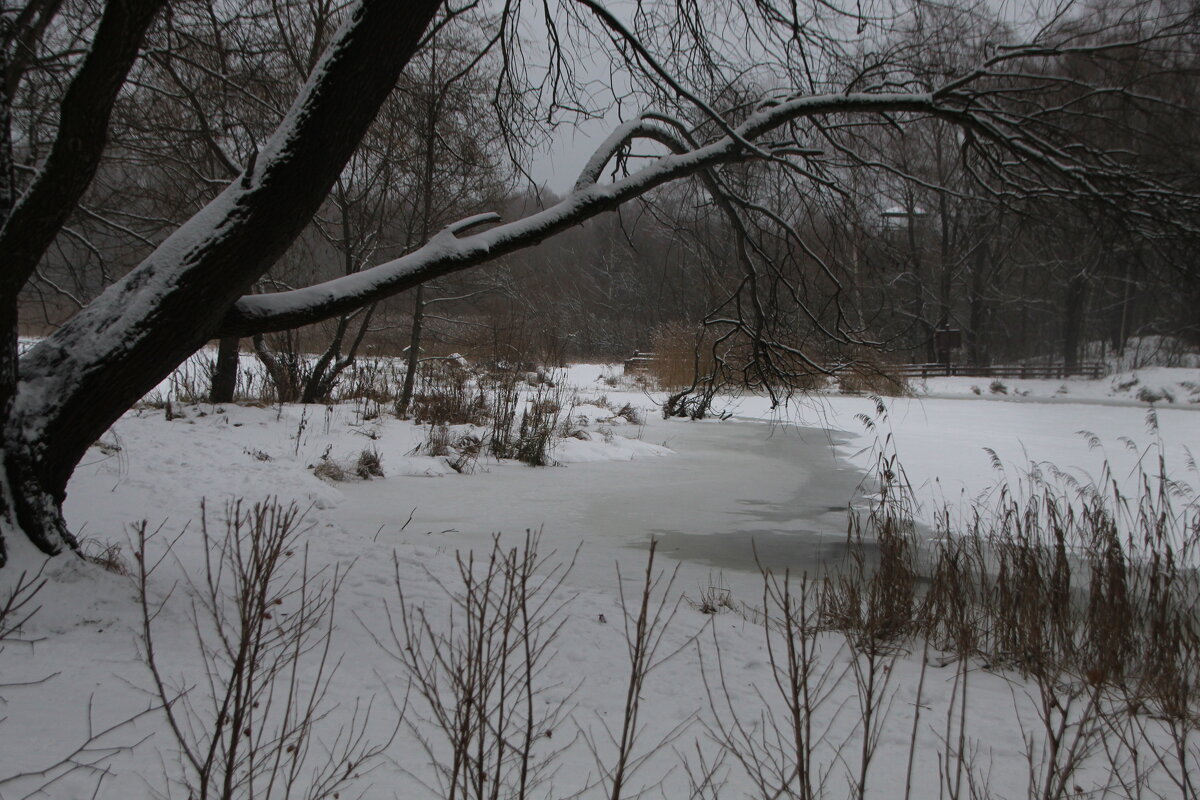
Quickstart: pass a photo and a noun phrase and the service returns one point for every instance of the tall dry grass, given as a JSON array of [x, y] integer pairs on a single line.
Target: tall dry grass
[[682, 352]]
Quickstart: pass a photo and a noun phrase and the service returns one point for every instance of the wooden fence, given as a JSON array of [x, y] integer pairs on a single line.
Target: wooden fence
[[641, 362], [1089, 369]]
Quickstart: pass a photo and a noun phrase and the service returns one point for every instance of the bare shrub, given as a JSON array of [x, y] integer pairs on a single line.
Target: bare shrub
[[775, 745], [106, 555], [247, 716], [504, 402], [461, 450], [539, 423], [1148, 395], [631, 414], [437, 441], [713, 600], [693, 402], [446, 395], [646, 621], [371, 379], [488, 719], [870, 377], [366, 465], [329, 469], [467, 449], [680, 354], [369, 464], [539, 426], [190, 382]]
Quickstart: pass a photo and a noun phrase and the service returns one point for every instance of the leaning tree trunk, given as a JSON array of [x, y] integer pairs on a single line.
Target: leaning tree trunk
[[74, 384], [30, 498]]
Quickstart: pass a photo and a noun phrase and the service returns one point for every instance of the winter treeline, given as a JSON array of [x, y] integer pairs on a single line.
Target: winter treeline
[[883, 255]]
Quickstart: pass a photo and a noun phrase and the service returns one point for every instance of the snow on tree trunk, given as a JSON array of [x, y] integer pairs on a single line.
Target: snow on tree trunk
[[74, 384]]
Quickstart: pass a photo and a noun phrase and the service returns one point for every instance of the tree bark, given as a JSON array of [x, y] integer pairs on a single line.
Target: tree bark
[[414, 355], [1074, 301], [978, 309], [225, 371], [74, 384]]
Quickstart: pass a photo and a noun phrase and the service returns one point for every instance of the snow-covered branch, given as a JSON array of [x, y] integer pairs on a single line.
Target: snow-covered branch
[[618, 140], [448, 252], [74, 383]]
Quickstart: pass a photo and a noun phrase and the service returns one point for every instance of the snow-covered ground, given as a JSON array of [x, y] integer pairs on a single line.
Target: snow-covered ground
[[1164, 386], [946, 443], [704, 490]]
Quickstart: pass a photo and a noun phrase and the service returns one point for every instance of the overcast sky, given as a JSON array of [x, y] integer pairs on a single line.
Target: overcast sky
[[570, 150]]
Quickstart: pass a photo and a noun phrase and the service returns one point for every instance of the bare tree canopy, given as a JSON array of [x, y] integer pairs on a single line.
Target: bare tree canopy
[[769, 105]]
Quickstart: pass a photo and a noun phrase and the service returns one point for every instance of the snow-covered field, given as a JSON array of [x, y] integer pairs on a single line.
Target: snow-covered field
[[705, 490], [945, 441]]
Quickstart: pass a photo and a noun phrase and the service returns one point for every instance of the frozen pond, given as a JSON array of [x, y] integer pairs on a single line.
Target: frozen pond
[[749, 493], [732, 488]]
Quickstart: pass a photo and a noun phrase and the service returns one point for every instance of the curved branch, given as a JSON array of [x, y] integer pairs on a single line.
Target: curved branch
[[624, 135], [447, 253]]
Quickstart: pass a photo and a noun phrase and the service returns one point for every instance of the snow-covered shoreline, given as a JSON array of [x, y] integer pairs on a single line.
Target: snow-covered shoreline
[[87, 628]]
